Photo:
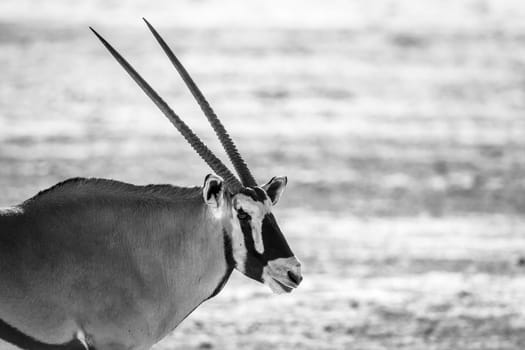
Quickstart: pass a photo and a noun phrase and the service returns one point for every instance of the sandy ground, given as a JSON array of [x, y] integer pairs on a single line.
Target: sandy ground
[[399, 124]]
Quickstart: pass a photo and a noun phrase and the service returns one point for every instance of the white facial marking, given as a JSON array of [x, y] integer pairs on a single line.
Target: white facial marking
[[257, 212], [277, 271], [257, 237], [273, 284], [239, 250]]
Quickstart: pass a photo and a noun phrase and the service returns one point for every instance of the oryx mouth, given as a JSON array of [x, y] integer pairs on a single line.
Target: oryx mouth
[[283, 275]]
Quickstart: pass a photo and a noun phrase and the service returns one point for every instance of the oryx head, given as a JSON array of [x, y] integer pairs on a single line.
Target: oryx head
[[258, 246]]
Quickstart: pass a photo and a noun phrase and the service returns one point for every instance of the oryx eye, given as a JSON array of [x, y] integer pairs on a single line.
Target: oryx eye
[[242, 215]]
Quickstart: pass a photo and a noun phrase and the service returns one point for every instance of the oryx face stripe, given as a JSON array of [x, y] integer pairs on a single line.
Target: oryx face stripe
[[253, 265], [12, 335], [257, 233], [274, 241], [257, 207], [275, 246], [263, 242]]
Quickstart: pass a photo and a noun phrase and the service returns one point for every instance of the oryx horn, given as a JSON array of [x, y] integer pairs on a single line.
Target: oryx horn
[[202, 150], [231, 150]]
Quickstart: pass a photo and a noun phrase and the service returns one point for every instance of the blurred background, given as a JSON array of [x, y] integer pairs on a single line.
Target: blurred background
[[400, 125]]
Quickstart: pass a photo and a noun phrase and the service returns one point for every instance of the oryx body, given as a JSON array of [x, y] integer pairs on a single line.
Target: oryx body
[[109, 259], [93, 263]]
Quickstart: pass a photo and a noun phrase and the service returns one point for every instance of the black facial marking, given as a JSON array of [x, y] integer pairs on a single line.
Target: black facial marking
[[261, 195], [253, 266], [275, 245], [250, 192]]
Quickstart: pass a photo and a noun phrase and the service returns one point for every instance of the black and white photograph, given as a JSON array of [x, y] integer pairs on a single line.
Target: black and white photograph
[[262, 175]]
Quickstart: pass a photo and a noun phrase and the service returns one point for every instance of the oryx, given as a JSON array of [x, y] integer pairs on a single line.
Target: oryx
[[101, 264]]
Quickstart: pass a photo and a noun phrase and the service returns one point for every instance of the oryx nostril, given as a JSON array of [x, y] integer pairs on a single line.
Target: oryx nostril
[[295, 278]]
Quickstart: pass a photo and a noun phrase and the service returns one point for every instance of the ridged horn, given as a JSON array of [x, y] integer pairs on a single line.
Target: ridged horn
[[238, 162], [202, 150]]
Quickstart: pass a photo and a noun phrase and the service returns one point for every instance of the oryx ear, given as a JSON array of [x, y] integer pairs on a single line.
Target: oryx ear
[[212, 191], [275, 188]]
